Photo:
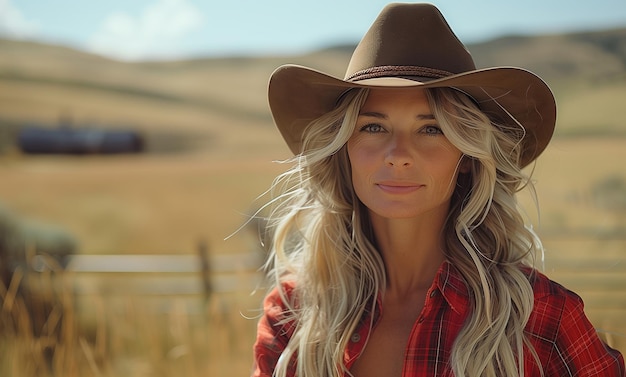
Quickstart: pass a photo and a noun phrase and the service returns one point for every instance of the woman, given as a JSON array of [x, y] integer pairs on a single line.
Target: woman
[[397, 246]]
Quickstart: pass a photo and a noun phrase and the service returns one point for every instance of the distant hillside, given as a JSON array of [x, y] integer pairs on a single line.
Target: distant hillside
[[42, 83], [596, 55], [559, 59]]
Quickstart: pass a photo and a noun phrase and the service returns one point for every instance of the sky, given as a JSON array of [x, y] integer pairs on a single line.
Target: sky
[[171, 29]]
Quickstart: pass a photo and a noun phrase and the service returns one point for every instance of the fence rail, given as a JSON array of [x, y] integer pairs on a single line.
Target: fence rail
[[156, 275], [165, 275], [158, 283], [175, 263]]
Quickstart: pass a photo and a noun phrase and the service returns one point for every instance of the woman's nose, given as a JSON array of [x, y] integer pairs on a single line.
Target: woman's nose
[[398, 153]]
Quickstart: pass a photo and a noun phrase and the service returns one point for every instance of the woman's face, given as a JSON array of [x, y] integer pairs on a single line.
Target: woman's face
[[402, 164]]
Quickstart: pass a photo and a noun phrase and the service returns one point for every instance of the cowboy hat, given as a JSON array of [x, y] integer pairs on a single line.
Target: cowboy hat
[[412, 45]]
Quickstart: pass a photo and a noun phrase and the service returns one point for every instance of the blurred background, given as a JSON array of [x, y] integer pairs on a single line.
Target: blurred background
[[136, 142]]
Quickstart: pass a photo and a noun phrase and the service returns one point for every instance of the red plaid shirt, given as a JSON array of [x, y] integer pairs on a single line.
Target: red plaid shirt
[[558, 329]]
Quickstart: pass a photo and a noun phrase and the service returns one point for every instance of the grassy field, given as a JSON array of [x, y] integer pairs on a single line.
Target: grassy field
[[165, 203], [131, 336]]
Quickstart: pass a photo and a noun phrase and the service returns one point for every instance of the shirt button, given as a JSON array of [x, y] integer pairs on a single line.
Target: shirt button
[[355, 337], [433, 293]]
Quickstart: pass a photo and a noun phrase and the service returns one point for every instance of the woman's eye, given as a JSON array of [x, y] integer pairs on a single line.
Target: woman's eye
[[372, 128], [432, 130]]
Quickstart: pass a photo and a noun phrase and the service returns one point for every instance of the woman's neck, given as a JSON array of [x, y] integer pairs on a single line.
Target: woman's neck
[[412, 250]]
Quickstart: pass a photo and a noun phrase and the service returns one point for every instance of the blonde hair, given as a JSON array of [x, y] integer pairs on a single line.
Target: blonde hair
[[322, 240]]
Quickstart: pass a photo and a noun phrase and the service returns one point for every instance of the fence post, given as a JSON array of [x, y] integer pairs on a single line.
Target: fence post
[[203, 251]]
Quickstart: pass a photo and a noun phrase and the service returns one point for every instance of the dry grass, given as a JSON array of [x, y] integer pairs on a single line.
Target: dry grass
[[139, 204], [127, 335]]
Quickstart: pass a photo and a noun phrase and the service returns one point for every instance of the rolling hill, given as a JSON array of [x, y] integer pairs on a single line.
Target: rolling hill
[[45, 84]]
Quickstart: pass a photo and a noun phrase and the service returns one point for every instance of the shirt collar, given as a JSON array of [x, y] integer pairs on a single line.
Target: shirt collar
[[452, 287]]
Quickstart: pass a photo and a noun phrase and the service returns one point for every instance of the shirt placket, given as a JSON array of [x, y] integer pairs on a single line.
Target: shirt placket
[[419, 337]]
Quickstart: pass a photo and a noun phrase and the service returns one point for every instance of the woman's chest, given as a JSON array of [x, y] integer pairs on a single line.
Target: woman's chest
[[409, 341]]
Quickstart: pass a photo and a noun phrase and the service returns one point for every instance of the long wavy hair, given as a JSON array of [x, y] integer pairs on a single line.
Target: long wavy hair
[[321, 239]]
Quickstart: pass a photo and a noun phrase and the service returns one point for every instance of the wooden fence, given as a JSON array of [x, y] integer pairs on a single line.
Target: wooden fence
[[164, 274], [159, 281]]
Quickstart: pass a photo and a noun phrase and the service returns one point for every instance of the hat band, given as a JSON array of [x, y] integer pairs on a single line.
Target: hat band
[[398, 70]]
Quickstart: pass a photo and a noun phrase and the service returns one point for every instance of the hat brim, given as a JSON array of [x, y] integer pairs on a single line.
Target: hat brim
[[297, 95]]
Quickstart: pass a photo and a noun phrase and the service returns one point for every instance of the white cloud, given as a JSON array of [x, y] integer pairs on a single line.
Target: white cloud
[[13, 24], [157, 32]]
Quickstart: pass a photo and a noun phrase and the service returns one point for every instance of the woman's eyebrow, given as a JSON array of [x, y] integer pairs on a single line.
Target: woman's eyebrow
[[374, 114]]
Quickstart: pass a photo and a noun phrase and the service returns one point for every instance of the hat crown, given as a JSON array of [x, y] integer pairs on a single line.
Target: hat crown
[[432, 44]]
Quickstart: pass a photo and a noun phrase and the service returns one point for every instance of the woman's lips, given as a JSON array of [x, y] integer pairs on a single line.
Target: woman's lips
[[398, 188]]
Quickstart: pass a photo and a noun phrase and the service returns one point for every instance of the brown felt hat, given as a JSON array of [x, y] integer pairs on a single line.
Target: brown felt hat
[[411, 45]]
